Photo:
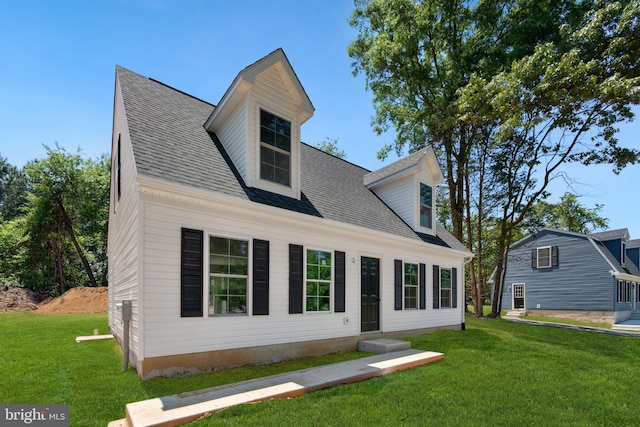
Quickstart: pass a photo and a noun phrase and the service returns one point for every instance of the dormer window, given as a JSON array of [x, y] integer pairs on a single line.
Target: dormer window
[[623, 255], [426, 206], [275, 149]]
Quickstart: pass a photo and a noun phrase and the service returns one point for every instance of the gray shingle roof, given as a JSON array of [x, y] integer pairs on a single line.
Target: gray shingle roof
[[635, 243], [610, 234], [170, 143], [395, 167]]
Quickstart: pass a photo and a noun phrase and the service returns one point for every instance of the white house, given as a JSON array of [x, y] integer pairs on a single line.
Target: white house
[[236, 243]]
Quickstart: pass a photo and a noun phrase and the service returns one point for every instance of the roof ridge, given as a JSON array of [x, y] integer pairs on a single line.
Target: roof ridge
[[120, 67], [180, 91], [332, 155]]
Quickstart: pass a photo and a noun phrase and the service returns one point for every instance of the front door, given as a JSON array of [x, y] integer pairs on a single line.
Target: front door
[[370, 298], [518, 296]]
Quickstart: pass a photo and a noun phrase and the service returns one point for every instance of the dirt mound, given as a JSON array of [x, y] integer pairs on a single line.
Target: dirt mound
[[18, 299], [77, 300]]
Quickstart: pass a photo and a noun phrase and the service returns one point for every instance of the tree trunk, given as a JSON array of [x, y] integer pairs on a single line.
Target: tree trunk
[[72, 235], [59, 272]]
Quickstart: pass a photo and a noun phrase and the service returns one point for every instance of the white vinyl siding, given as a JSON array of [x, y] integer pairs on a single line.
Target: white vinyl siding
[[400, 197], [123, 248], [167, 333], [233, 136]]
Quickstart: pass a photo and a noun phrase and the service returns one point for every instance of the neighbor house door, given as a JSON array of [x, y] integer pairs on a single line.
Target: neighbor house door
[[370, 296], [518, 295]]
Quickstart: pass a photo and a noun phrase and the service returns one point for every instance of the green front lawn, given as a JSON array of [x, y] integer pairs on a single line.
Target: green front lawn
[[495, 372]]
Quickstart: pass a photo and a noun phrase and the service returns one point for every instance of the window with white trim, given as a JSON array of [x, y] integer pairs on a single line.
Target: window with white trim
[[275, 149], [445, 288], [318, 281], [624, 291], [544, 257], [410, 285], [426, 205], [228, 273]]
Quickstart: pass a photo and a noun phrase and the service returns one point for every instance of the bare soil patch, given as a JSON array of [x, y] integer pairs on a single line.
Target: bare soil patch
[[75, 300], [18, 299]]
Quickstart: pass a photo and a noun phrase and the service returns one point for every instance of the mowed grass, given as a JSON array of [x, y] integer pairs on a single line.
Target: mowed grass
[[494, 373]]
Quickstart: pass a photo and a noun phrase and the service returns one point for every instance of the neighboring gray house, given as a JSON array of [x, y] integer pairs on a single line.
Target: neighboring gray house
[[237, 243], [566, 274]]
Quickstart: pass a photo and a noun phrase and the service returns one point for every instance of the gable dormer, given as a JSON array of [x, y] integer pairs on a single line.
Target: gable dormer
[[616, 242], [408, 187], [258, 122], [633, 252]]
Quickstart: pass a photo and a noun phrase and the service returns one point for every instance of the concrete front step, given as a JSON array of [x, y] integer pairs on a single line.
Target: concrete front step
[[627, 325], [383, 345], [185, 407], [516, 313]]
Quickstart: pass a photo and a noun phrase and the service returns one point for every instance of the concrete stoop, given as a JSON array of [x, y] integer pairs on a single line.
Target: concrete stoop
[[383, 345], [515, 313], [185, 407], [628, 325]]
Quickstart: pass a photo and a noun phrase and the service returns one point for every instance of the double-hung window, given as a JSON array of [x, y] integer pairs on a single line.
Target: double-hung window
[[410, 285], [445, 288], [544, 257], [426, 206], [318, 280], [228, 273], [275, 149]]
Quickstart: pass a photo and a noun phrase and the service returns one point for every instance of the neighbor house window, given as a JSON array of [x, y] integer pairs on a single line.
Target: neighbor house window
[[318, 281], [624, 291], [623, 255], [410, 285], [275, 149], [544, 257], [426, 206], [445, 288], [228, 272]]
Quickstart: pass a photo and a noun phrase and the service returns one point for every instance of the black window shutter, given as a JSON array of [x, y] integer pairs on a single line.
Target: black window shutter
[[534, 258], [191, 264], [454, 288], [118, 169], [423, 286], [339, 282], [436, 286], [554, 256], [295, 279], [397, 284], [260, 277]]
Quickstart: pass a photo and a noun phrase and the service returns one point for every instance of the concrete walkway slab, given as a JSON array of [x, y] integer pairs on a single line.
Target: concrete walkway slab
[[185, 407]]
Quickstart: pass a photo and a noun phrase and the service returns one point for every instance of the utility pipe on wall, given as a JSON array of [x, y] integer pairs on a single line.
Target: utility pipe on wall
[[126, 319]]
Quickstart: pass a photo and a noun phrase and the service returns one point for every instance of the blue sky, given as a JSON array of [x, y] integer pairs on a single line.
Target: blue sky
[[59, 58]]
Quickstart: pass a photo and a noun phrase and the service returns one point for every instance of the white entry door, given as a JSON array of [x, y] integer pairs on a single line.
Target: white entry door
[[517, 290]]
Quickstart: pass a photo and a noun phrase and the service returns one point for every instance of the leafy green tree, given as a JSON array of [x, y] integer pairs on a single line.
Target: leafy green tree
[[66, 221], [560, 104], [506, 91], [11, 240], [330, 145], [13, 190], [568, 214], [416, 57]]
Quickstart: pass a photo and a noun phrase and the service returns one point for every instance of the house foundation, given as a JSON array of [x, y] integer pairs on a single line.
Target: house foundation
[[191, 363]]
